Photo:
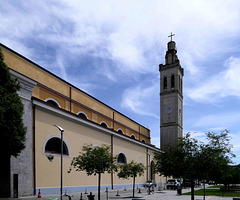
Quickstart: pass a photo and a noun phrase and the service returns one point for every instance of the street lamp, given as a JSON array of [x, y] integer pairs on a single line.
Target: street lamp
[[61, 130]]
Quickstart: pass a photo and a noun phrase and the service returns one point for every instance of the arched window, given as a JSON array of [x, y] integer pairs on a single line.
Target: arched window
[[179, 83], [165, 83], [82, 115], [120, 131], [152, 176], [133, 136], [121, 159], [52, 102], [172, 81], [53, 145], [143, 141], [104, 124]]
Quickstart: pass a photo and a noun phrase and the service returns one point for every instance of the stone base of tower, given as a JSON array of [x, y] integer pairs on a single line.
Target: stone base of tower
[[169, 136]]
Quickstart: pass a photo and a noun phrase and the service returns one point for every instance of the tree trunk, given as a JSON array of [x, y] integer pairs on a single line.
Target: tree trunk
[[5, 190], [99, 185], [204, 190], [133, 185], [192, 189]]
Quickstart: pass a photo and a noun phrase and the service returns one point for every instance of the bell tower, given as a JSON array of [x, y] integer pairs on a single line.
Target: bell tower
[[171, 97]]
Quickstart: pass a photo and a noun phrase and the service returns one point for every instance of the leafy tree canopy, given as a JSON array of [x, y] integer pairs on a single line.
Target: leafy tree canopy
[[94, 160], [131, 169], [192, 159], [12, 128]]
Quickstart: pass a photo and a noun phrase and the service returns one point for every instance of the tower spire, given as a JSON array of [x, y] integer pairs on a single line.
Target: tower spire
[[171, 35]]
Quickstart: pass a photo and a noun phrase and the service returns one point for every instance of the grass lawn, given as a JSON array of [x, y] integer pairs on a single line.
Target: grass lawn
[[215, 191], [215, 186]]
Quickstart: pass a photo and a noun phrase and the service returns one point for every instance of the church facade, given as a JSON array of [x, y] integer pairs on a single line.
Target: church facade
[[49, 100]]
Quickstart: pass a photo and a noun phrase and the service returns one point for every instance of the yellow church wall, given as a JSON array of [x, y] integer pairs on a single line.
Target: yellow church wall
[[75, 136], [136, 134], [76, 109], [101, 118], [158, 178], [123, 120], [132, 152], [144, 131], [91, 103], [45, 94], [50, 86], [18, 64], [118, 126], [144, 138]]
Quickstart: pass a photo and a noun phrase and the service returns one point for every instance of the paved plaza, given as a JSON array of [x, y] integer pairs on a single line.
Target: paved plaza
[[126, 195]]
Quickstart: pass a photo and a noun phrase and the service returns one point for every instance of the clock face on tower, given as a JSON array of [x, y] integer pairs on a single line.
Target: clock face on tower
[[168, 110]]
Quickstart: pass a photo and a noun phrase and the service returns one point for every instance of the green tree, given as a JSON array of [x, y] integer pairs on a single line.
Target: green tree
[[13, 132], [131, 169], [94, 160], [192, 159], [232, 178], [216, 156]]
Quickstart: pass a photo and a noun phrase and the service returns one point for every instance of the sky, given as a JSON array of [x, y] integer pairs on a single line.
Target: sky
[[112, 51]]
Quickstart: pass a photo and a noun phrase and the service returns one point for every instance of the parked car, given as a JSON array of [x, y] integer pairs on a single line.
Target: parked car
[[197, 182], [173, 183], [211, 182], [186, 183], [150, 183]]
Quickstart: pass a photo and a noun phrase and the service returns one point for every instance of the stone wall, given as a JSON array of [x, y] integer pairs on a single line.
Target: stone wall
[[22, 166]]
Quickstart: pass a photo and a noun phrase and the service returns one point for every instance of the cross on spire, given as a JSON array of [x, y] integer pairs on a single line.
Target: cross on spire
[[171, 35]]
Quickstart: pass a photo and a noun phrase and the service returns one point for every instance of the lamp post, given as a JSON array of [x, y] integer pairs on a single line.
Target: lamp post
[[61, 130]]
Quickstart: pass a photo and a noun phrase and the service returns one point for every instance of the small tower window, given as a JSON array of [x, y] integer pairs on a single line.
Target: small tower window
[[172, 81], [179, 83], [165, 83]]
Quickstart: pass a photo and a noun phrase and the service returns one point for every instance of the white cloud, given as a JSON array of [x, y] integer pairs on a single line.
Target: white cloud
[[215, 121], [139, 100], [223, 84], [155, 141], [126, 31]]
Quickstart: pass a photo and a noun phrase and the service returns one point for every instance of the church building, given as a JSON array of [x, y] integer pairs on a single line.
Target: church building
[[49, 100]]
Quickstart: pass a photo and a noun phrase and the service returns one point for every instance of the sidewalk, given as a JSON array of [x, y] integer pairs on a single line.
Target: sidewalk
[[127, 195]]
